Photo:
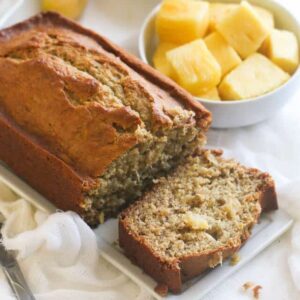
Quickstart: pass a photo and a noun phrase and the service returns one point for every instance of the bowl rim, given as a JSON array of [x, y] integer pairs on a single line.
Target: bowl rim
[[296, 74]]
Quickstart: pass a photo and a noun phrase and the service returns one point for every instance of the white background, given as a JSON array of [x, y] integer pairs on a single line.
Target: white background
[[273, 146]]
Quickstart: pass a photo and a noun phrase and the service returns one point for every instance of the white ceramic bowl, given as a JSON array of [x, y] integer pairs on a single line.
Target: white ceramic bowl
[[227, 114]]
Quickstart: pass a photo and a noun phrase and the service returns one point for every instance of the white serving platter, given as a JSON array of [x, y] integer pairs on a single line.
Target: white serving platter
[[270, 228], [7, 8]]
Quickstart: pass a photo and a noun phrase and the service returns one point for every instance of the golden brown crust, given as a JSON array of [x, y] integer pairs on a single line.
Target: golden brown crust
[[49, 175], [51, 19], [268, 200], [45, 111]]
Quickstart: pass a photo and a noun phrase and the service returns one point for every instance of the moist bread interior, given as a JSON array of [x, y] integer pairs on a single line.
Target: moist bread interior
[[208, 203], [129, 176]]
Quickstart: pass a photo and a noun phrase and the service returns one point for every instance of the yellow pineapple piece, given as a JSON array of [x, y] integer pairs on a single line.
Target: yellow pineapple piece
[[218, 11], [195, 221], [223, 52], [255, 76], [266, 16], [244, 30], [181, 21], [212, 94], [282, 48], [194, 66], [160, 61], [68, 8]]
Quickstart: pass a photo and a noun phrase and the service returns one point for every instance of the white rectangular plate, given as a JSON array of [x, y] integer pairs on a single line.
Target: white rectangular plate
[[270, 227]]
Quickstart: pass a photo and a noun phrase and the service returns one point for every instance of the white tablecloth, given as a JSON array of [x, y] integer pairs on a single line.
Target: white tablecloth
[[272, 146]]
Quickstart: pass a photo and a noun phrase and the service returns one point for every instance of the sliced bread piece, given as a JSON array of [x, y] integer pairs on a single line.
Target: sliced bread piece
[[196, 217]]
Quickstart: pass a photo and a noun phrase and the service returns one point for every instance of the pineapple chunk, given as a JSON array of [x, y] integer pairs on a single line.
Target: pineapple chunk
[[196, 221], [212, 94], [160, 61], [255, 76], [181, 21], [195, 67], [266, 16], [244, 30], [218, 11], [68, 8], [223, 52], [281, 47]]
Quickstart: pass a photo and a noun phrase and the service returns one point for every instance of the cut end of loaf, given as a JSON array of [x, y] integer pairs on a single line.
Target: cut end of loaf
[[202, 212], [128, 177]]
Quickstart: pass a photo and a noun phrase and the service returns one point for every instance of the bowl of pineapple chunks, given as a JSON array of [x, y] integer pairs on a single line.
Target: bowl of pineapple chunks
[[239, 58]]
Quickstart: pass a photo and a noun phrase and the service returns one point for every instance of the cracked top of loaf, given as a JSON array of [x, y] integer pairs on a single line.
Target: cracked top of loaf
[[82, 97]]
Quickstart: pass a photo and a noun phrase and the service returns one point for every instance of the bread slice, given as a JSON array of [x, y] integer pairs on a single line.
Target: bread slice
[[195, 218], [89, 125]]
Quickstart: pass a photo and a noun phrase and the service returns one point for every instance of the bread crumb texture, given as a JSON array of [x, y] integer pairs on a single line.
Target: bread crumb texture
[[206, 204]]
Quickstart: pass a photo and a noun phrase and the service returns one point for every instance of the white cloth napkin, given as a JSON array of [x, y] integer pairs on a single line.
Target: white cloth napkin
[[59, 256]]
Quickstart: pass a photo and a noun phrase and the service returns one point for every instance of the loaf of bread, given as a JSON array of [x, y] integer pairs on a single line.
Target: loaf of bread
[[85, 123], [194, 218]]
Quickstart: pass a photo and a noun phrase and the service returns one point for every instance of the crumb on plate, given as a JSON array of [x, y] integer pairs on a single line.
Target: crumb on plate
[[247, 285], [235, 259], [161, 289], [255, 289]]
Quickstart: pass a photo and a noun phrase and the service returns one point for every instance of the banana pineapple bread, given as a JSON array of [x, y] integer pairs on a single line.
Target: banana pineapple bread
[[195, 217], [86, 124]]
